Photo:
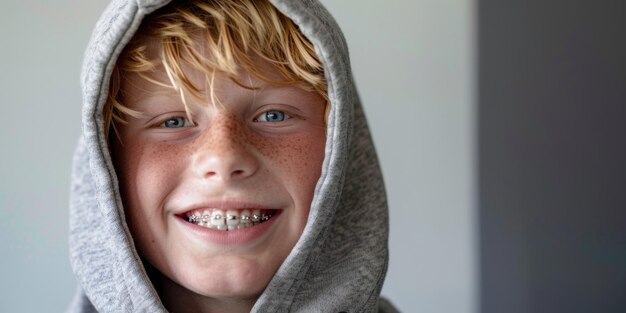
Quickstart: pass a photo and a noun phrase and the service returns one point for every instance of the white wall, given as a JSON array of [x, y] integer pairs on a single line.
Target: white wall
[[42, 44], [413, 65]]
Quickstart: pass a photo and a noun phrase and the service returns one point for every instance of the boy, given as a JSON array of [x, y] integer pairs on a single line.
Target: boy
[[225, 164]]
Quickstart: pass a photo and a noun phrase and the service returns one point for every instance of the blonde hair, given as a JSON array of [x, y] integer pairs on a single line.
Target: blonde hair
[[216, 37]]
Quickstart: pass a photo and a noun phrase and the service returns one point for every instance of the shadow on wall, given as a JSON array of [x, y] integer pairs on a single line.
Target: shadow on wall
[[552, 119]]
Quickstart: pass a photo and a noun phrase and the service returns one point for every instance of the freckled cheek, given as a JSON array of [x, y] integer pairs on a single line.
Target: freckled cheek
[[149, 172], [298, 158]]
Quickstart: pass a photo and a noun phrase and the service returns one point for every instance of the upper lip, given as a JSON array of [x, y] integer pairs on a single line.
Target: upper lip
[[223, 205]]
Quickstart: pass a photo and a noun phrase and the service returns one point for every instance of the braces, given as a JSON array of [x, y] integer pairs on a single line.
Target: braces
[[253, 219]]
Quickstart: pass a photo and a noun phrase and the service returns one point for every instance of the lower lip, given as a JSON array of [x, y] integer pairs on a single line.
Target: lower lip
[[231, 237]]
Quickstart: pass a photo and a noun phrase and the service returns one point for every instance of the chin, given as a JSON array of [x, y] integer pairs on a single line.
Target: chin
[[230, 277]]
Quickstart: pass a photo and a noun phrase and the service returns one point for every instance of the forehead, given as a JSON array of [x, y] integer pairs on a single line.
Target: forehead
[[139, 89]]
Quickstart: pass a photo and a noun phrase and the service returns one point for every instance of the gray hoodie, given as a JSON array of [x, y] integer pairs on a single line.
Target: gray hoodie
[[340, 261]]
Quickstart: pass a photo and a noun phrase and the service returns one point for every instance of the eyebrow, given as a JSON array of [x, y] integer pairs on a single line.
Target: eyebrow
[[169, 97]]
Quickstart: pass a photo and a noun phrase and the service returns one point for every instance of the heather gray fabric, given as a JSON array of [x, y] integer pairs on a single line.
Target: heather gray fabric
[[340, 261]]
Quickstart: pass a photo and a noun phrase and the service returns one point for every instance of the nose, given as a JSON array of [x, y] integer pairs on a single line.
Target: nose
[[223, 153]]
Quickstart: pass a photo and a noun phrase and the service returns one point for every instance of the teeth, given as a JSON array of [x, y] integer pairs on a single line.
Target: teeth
[[244, 218], [256, 216], [196, 216], [232, 217], [229, 220], [217, 218]]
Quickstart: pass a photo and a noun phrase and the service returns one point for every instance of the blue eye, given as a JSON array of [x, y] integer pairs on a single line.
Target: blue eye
[[272, 117], [176, 122]]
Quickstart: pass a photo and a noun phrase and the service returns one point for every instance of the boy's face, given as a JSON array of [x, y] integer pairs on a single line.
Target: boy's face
[[256, 149]]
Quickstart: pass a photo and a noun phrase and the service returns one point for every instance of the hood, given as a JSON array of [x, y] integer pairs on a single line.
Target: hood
[[340, 261]]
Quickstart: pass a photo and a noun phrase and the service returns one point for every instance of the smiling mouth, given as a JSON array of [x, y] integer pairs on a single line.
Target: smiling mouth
[[229, 219]]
